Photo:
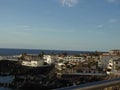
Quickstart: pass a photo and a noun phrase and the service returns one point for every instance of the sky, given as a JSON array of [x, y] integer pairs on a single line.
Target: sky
[[85, 25]]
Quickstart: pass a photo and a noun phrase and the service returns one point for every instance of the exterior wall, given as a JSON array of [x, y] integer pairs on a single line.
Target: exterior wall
[[72, 58], [31, 57], [60, 66], [32, 60], [1, 57], [40, 62], [26, 63], [32, 63], [110, 63], [104, 61], [114, 52], [49, 59], [116, 63]]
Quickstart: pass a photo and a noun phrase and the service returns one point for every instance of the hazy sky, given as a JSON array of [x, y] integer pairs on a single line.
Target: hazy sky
[[60, 24]]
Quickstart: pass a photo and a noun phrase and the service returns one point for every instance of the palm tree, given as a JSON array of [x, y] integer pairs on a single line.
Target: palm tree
[[41, 55], [22, 57]]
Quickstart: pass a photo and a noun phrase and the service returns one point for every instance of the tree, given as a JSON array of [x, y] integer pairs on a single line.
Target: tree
[[22, 57], [64, 53], [41, 55]]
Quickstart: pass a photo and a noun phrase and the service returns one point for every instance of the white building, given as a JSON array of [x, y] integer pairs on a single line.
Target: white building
[[109, 63], [32, 63], [104, 61], [116, 52], [74, 59], [32, 60], [1, 58], [49, 59], [116, 64], [60, 66]]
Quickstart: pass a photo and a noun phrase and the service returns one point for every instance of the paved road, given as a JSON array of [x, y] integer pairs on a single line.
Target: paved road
[[91, 74], [94, 85]]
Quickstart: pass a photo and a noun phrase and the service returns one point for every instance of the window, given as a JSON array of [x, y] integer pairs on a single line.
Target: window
[[116, 62]]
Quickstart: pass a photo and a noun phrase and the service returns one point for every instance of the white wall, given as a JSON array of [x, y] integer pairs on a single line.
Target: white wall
[[32, 63]]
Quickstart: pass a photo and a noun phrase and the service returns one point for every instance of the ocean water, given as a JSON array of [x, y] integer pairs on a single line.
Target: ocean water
[[9, 51], [6, 79], [4, 88]]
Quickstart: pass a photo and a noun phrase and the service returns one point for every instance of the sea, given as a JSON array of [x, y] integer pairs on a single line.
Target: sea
[[3, 88], [6, 79], [11, 51]]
